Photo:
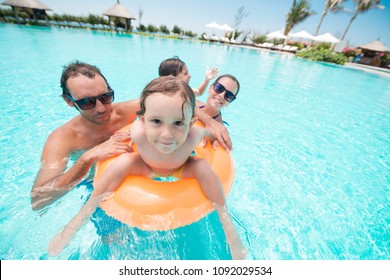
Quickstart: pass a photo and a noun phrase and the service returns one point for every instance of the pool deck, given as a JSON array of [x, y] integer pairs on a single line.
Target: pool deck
[[371, 69]]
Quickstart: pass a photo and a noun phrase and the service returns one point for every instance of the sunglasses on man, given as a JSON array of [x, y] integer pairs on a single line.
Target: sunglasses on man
[[228, 96], [89, 103]]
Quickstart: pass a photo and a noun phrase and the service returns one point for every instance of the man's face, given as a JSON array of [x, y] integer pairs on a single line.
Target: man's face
[[82, 87]]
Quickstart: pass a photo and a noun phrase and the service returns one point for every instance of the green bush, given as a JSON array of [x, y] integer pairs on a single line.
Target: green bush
[[322, 53], [259, 39]]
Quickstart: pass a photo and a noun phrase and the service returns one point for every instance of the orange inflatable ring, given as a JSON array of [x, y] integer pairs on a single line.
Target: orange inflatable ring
[[152, 205]]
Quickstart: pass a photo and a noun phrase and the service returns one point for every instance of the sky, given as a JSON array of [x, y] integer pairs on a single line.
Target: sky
[[264, 16]]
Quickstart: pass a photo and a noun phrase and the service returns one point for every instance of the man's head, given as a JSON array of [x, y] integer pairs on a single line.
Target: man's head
[[85, 88]]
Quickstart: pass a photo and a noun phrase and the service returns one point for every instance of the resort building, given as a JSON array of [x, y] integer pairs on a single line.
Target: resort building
[[34, 9], [119, 17]]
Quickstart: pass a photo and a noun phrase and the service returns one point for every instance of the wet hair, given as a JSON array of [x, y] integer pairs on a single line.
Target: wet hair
[[171, 66], [230, 77], [75, 69], [169, 86]]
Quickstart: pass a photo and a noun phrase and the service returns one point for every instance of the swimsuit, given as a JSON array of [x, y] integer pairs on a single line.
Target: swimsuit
[[174, 176], [216, 116]]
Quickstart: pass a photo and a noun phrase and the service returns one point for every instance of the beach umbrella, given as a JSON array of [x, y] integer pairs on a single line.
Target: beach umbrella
[[226, 28], [327, 38], [376, 46], [276, 35], [213, 25], [301, 35]]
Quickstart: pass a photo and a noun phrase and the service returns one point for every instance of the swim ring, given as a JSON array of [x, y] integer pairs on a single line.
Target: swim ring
[[152, 205]]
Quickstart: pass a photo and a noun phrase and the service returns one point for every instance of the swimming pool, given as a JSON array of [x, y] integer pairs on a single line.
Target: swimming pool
[[311, 149]]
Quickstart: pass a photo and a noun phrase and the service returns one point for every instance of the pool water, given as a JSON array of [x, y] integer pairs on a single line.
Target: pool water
[[311, 150]]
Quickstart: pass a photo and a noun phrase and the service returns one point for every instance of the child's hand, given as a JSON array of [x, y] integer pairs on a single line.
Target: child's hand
[[211, 74]]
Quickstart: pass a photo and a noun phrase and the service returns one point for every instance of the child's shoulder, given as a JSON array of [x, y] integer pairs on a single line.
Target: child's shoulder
[[137, 131]]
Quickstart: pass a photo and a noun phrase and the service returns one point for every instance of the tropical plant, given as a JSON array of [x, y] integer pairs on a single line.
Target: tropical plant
[[348, 52], [361, 7], [241, 14], [259, 39], [322, 52], [330, 5], [140, 14], [300, 10]]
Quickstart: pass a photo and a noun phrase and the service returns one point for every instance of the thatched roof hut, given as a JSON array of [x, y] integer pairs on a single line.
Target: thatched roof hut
[[34, 8], [119, 16], [376, 46], [373, 54]]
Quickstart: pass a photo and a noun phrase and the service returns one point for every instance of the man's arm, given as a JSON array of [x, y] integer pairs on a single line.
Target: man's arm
[[52, 181], [217, 129]]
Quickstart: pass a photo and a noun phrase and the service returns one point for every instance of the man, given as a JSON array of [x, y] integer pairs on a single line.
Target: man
[[93, 132]]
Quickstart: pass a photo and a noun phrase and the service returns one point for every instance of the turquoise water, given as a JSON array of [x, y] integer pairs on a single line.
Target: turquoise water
[[311, 149]]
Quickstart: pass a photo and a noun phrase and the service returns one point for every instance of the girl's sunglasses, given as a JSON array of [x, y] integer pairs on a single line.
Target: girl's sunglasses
[[90, 102], [228, 96]]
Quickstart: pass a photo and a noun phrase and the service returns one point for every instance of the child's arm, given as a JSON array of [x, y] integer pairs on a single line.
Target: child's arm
[[210, 74], [108, 183]]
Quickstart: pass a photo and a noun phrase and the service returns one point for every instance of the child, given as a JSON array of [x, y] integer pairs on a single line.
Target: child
[[165, 137], [176, 67]]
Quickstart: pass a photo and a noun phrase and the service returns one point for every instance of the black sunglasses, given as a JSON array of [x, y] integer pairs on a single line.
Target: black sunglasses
[[228, 96], [90, 102]]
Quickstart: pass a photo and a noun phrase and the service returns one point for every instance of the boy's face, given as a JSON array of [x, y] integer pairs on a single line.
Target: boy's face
[[163, 121]]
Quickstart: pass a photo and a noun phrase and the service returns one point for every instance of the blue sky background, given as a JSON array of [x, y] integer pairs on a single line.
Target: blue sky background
[[264, 16]]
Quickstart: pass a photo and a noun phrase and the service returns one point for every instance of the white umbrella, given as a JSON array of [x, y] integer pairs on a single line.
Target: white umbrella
[[276, 35], [327, 37], [226, 27], [301, 35], [213, 25]]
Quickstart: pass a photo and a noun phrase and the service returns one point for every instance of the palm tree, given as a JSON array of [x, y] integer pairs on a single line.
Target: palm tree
[[332, 5], [361, 7], [300, 10]]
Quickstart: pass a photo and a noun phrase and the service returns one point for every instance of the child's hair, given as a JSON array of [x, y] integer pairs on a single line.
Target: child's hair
[[171, 66], [230, 77], [168, 85]]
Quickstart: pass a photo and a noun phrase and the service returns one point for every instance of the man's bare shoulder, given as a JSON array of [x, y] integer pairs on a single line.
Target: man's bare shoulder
[[132, 105], [126, 112], [64, 135]]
